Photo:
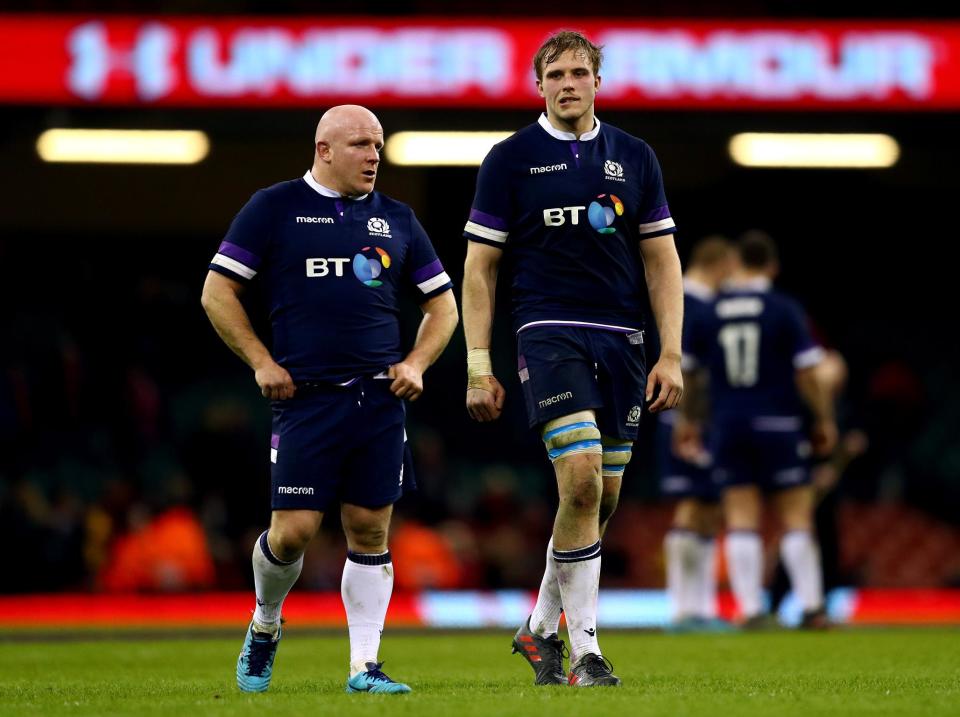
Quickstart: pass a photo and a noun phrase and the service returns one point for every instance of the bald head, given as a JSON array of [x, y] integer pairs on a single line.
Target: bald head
[[344, 118], [347, 150]]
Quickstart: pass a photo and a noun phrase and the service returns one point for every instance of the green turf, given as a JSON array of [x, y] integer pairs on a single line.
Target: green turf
[[896, 672]]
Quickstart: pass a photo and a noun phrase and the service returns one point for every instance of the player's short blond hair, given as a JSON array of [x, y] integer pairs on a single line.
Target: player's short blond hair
[[561, 42], [711, 251]]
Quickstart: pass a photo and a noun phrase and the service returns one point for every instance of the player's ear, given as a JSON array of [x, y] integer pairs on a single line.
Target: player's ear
[[540, 88], [323, 150], [596, 83]]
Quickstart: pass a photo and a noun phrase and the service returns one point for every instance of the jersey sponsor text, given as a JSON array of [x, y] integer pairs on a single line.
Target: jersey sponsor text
[[320, 267]]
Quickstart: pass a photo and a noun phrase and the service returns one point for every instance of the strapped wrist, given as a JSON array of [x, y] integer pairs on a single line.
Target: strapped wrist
[[479, 367]]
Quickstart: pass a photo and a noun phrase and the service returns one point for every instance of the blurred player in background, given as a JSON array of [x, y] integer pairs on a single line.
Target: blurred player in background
[[690, 544], [333, 255], [580, 211], [762, 364]]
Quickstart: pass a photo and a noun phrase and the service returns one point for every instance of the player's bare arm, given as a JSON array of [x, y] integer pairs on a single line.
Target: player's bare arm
[[485, 395], [686, 440], [437, 326], [665, 285], [817, 396], [221, 301]]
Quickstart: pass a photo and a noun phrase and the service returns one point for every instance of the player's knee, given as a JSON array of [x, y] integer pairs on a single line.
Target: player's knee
[[291, 531], [289, 541], [583, 494], [572, 436]]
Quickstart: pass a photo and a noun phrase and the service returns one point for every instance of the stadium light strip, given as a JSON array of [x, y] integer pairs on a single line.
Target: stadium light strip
[[435, 149], [854, 151], [123, 146]]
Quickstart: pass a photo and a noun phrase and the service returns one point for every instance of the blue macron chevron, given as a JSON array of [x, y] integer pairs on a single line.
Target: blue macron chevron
[[255, 664], [373, 680]]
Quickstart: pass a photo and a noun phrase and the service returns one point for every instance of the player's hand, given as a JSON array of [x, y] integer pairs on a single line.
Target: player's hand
[[485, 404], [665, 384], [823, 437], [274, 382], [407, 381], [686, 441]]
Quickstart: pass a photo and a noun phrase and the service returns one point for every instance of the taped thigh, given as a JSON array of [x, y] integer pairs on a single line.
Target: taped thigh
[[616, 454], [572, 434]]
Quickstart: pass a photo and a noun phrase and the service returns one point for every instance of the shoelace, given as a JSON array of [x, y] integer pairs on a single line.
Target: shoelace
[[557, 653], [259, 655], [597, 666], [376, 673]]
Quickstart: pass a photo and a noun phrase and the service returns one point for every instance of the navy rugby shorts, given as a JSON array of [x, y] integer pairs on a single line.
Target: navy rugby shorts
[[772, 452], [678, 478], [339, 444], [564, 369]]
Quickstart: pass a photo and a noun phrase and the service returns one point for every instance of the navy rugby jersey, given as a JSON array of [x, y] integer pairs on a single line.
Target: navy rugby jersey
[[569, 213], [332, 268], [752, 341]]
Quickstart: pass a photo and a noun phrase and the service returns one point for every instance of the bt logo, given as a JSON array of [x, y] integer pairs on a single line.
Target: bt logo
[[368, 264], [321, 267], [557, 218], [600, 214], [602, 211]]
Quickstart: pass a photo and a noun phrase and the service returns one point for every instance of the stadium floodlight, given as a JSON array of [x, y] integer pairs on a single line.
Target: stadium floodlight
[[123, 146], [451, 149], [854, 151]]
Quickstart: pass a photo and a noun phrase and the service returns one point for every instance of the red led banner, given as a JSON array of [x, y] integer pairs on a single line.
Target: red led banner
[[452, 62]]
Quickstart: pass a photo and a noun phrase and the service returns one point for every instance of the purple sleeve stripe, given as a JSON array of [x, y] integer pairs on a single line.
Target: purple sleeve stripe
[[240, 254], [274, 440], [655, 215], [488, 220], [427, 272]]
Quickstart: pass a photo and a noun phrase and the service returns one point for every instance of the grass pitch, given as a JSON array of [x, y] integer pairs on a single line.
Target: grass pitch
[[895, 672]]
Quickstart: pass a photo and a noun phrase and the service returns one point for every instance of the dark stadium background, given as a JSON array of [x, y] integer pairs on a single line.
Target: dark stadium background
[[118, 402]]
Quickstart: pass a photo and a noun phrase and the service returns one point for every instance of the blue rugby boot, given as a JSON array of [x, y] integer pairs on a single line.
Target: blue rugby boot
[[255, 664], [374, 680]]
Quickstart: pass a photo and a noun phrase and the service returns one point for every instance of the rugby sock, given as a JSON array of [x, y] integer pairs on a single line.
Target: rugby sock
[[682, 552], [545, 618], [707, 579], [578, 574], [366, 587], [744, 551], [272, 579], [801, 558]]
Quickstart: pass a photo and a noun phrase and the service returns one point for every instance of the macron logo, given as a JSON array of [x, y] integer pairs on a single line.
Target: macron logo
[[314, 220], [548, 168], [295, 490], [555, 399]]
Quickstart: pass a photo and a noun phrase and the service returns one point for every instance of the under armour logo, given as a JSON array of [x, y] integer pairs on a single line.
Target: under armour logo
[[591, 632], [97, 60], [260, 603]]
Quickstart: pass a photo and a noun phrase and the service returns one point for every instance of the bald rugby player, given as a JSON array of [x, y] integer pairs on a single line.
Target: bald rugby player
[[332, 255]]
